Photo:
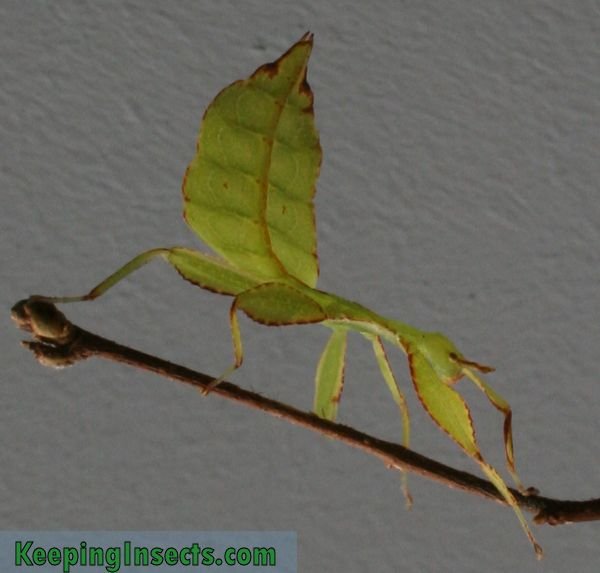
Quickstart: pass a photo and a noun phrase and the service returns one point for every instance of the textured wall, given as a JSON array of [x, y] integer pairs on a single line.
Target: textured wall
[[458, 192]]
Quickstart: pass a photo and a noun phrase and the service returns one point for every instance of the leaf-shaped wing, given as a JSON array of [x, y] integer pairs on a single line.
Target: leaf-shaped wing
[[249, 189], [209, 272]]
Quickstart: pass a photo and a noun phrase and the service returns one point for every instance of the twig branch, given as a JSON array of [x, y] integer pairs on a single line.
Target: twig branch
[[60, 343]]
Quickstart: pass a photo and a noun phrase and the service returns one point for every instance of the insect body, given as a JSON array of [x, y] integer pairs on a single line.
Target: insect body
[[248, 193]]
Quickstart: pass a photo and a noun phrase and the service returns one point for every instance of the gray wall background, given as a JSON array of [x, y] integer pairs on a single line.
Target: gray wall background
[[458, 193]]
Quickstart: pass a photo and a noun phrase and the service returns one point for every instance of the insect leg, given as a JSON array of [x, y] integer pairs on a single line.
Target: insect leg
[[272, 304], [503, 406], [238, 350], [400, 400], [133, 265]]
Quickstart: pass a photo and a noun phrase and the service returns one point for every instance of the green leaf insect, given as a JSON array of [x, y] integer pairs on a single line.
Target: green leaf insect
[[248, 193]]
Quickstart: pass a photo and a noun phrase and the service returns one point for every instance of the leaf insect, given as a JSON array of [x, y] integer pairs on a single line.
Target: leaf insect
[[248, 193]]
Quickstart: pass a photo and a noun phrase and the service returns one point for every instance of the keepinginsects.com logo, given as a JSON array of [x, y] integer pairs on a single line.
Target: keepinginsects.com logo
[[168, 551], [113, 558]]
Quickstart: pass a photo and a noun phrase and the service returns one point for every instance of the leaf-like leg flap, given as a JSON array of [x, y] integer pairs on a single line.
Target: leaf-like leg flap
[[503, 406], [273, 304], [329, 379], [278, 304], [450, 412], [400, 400], [210, 272]]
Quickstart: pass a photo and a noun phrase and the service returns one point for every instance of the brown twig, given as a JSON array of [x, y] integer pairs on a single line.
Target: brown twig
[[60, 343]]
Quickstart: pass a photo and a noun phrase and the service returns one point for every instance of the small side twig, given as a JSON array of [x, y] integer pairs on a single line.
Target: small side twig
[[60, 343]]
